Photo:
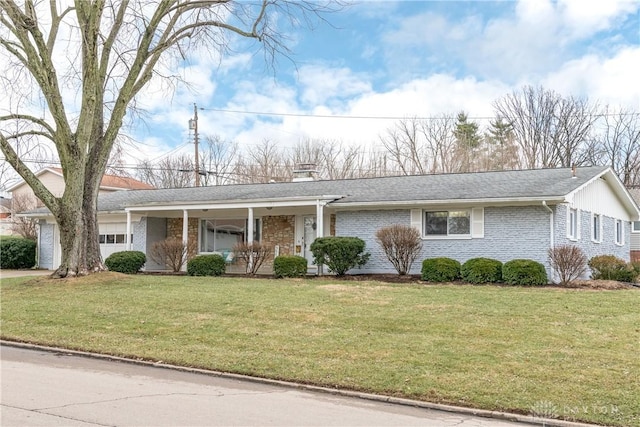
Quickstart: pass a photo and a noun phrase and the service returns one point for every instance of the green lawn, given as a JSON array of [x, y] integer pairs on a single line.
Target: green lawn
[[573, 354]]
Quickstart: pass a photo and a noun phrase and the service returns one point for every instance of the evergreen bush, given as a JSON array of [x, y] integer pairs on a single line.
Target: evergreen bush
[[129, 262], [289, 266], [524, 272], [17, 252], [440, 269], [206, 265], [481, 270], [339, 253]]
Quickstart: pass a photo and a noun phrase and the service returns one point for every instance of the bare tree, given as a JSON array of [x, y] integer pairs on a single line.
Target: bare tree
[[23, 226], [217, 161], [616, 142], [264, 163], [113, 50], [551, 131], [170, 172]]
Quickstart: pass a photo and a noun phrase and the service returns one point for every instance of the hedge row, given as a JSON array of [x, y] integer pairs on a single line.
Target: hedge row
[[484, 270]]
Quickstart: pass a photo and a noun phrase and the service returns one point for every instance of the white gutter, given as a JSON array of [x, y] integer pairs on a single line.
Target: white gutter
[[551, 224], [449, 202], [256, 203]]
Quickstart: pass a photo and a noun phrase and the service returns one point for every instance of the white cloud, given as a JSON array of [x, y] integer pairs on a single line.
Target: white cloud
[[585, 17], [608, 80]]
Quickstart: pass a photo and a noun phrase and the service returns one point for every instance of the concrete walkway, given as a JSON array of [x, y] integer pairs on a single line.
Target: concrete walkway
[[55, 389]]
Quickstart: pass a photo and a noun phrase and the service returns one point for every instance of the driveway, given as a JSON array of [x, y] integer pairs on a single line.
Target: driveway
[[55, 389], [6, 274]]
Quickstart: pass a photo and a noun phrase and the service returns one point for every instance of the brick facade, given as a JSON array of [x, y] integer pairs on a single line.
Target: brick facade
[[174, 229], [279, 230], [635, 256]]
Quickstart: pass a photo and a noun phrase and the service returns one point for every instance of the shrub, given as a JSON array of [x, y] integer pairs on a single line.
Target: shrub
[[609, 267], [171, 252], [206, 265], [440, 269], [481, 270], [401, 244], [339, 253], [252, 254], [17, 252], [290, 266], [129, 262], [568, 261], [524, 272]]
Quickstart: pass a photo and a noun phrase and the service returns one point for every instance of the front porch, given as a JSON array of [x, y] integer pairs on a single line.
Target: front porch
[[217, 228]]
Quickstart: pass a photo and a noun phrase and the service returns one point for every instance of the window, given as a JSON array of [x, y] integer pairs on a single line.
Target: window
[[635, 228], [220, 235], [596, 228], [112, 239], [619, 231], [572, 224], [447, 223]]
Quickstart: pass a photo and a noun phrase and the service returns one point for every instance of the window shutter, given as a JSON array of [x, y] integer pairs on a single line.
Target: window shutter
[[416, 219], [477, 223]]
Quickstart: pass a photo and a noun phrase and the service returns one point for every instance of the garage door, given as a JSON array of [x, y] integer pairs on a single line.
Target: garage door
[[112, 238]]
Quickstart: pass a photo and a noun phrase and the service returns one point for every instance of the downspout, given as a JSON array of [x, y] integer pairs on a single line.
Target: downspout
[[551, 233]]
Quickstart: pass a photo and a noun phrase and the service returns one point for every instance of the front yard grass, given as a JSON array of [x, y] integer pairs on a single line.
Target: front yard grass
[[572, 354]]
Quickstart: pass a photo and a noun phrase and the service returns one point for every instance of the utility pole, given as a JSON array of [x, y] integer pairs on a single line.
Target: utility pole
[[194, 125]]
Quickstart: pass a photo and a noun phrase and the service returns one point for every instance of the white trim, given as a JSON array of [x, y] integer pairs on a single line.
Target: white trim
[[416, 219], [447, 236], [477, 223], [573, 230], [551, 225], [128, 238]]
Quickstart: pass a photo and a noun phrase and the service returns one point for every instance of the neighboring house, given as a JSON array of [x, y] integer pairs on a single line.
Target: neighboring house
[[503, 215], [5, 217], [53, 179], [635, 228]]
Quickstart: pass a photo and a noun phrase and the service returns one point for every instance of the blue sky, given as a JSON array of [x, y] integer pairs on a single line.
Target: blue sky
[[402, 59]]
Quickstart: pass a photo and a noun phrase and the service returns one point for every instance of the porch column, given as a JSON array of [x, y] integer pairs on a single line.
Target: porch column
[[128, 235], [319, 226], [319, 219], [185, 236], [250, 226], [250, 235]]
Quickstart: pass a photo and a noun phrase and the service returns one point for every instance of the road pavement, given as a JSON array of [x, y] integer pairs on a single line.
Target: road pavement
[[43, 388]]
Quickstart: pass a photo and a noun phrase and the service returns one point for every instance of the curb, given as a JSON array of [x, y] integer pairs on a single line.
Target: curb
[[505, 416]]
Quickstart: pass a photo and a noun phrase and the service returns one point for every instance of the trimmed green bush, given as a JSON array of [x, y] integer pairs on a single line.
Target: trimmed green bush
[[609, 267], [481, 270], [17, 252], [206, 265], [440, 269], [524, 272], [289, 266], [339, 253], [129, 262]]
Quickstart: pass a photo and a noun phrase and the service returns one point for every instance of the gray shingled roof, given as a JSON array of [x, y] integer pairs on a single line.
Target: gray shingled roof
[[534, 184]]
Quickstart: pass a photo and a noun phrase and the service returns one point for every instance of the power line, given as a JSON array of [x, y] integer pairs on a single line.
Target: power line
[[338, 116]]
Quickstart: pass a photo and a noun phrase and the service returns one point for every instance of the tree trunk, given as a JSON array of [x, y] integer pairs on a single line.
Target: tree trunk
[[78, 224]]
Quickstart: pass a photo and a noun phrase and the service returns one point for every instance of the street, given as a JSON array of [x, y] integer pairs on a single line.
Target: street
[[57, 389]]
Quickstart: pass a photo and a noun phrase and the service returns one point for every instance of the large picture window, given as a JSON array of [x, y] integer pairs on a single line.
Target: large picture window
[[447, 223], [221, 235]]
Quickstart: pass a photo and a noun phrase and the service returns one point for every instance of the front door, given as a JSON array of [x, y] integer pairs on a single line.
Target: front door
[[309, 236]]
